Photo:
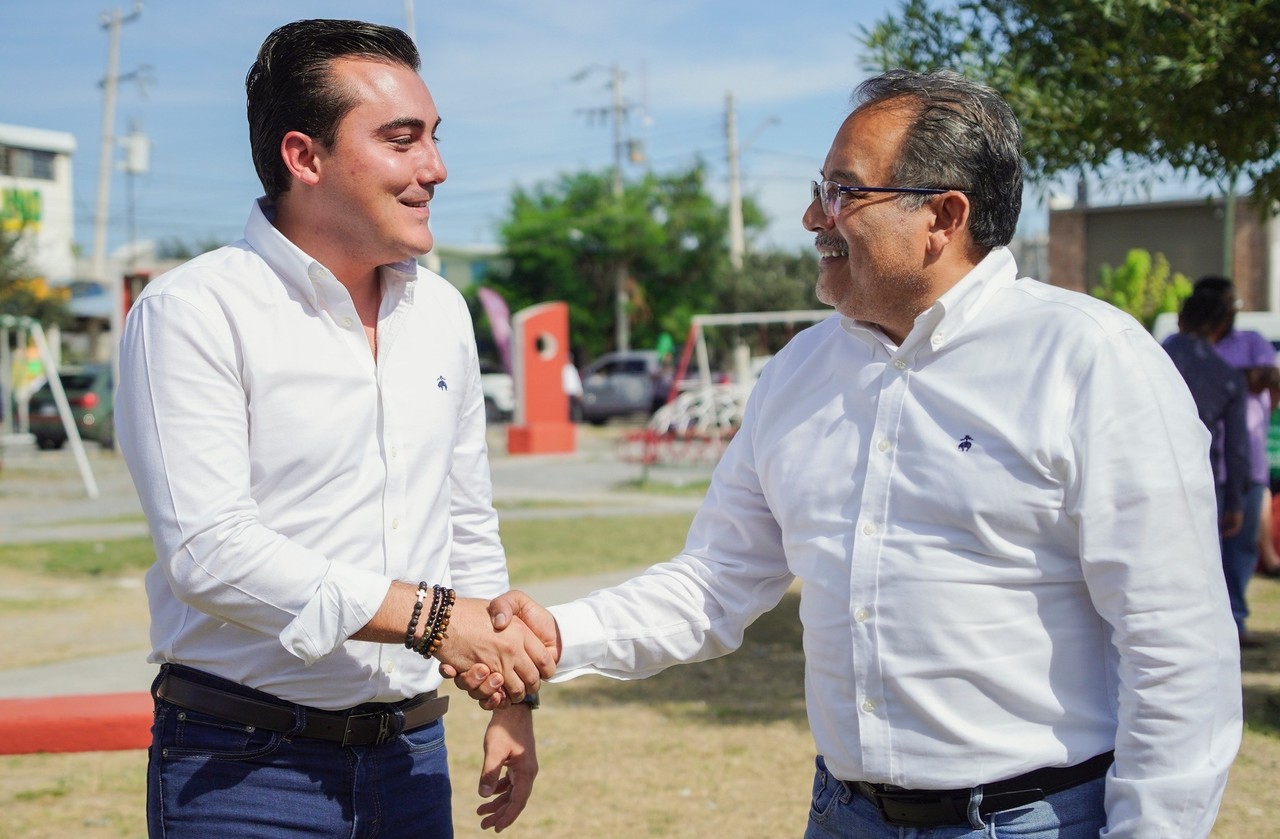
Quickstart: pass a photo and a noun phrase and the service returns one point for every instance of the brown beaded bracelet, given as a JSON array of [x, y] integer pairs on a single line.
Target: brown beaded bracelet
[[432, 614], [437, 627], [417, 613]]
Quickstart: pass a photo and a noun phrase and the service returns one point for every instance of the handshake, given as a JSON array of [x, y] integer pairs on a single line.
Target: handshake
[[499, 652]]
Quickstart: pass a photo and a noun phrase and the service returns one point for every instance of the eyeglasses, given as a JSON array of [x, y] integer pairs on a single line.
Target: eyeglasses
[[832, 196]]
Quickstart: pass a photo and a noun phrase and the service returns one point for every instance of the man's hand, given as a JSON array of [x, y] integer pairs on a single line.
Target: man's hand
[[517, 604], [517, 655], [508, 742], [480, 682], [1229, 525]]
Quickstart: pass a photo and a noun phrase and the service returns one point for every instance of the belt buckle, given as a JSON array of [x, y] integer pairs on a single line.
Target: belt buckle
[[384, 727], [908, 808]]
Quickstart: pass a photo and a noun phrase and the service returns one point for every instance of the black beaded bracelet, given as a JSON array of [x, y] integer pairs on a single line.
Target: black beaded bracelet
[[417, 613]]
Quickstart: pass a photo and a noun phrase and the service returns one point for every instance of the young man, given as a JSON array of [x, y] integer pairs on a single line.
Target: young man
[[301, 413], [997, 496]]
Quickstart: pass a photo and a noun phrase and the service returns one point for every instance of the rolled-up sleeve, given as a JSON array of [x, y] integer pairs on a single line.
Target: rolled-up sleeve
[[182, 422]]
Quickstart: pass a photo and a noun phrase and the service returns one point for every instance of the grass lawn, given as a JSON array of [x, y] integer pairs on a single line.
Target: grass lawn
[[719, 749]]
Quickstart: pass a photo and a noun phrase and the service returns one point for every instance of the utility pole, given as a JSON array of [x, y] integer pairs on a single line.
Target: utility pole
[[621, 317], [111, 21], [618, 112], [736, 244], [408, 21]]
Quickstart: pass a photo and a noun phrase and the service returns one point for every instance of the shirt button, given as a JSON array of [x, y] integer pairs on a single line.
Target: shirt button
[[883, 445], [347, 322], [861, 615], [390, 667], [395, 524], [937, 339], [868, 705], [395, 452], [868, 529], [900, 364]]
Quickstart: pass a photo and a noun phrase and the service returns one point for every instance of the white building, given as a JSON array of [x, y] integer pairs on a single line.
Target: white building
[[36, 196]]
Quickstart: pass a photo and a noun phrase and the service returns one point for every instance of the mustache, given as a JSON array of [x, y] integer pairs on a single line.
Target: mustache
[[829, 242]]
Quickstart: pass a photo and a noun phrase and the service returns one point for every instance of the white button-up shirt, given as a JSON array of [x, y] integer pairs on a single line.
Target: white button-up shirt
[[288, 477], [1006, 535]]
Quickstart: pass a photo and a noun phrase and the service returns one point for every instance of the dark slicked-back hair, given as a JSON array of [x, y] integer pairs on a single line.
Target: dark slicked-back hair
[[291, 87], [963, 136]]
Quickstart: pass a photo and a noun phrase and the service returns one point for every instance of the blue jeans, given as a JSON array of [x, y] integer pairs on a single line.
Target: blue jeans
[[208, 776], [1240, 555], [839, 813]]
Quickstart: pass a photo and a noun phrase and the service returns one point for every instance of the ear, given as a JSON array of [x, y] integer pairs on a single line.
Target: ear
[[299, 153], [950, 220]]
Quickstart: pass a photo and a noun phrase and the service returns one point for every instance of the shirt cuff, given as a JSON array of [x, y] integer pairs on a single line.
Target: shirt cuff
[[582, 641], [345, 601]]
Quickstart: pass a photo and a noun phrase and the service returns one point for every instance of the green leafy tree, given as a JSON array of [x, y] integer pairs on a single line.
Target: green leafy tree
[[1191, 83], [567, 240], [23, 292], [769, 282], [1143, 286]]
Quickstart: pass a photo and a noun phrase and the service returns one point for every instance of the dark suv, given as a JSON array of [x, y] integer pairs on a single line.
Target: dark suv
[[90, 394]]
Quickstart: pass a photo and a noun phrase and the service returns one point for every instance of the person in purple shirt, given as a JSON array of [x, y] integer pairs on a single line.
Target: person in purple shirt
[[1250, 353]]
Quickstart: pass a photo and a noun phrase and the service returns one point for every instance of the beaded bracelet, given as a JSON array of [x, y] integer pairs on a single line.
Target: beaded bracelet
[[417, 613], [437, 627], [432, 615]]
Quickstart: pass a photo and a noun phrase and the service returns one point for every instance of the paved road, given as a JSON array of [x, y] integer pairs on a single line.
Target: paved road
[[43, 498]]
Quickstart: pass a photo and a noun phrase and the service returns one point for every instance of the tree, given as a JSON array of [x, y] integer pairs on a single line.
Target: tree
[[566, 240], [1143, 286], [23, 293], [769, 282], [1191, 83]]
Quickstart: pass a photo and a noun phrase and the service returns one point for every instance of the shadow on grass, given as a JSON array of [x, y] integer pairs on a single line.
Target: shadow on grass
[[761, 681], [1262, 699]]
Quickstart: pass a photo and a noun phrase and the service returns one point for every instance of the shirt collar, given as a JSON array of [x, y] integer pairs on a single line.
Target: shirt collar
[[950, 313], [297, 269]]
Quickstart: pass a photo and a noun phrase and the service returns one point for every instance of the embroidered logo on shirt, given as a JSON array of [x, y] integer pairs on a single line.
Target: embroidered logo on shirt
[[966, 443], [442, 384]]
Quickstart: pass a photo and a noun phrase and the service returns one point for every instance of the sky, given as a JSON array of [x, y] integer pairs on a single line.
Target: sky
[[520, 86], [503, 75]]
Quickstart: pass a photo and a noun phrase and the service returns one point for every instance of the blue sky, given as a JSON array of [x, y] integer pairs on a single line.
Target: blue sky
[[502, 74]]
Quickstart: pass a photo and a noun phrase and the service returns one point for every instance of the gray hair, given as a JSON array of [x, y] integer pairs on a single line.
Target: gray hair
[[963, 136]]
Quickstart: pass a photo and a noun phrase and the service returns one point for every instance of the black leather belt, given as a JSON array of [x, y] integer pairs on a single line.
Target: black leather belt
[[350, 728], [934, 808]]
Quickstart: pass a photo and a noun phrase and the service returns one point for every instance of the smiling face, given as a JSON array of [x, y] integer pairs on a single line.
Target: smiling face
[[364, 201], [873, 251]]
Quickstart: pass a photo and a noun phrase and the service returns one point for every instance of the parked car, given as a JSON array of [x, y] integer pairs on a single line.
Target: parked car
[[499, 392], [90, 394], [622, 384]]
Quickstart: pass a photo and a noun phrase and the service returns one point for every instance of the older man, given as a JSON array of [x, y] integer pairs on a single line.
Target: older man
[[997, 496]]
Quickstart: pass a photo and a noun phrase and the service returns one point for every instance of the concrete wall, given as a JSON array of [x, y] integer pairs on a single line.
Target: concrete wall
[[1189, 234]]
